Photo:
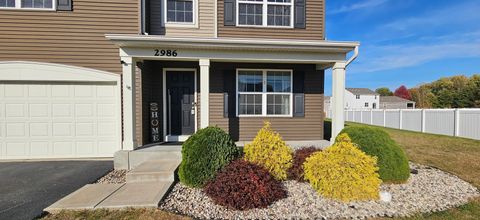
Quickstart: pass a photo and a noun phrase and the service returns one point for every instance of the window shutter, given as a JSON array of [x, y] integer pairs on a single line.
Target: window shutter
[[298, 104], [298, 94], [300, 11], [64, 5], [229, 12], [225, 105]]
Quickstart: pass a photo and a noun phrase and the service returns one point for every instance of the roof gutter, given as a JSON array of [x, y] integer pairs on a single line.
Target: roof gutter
[[354, 56]]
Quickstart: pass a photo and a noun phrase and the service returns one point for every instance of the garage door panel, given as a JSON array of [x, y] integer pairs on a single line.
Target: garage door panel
[[40, 148], [55, 120], [15, 110], [14, 91], [17, 129], [38, 110], [60, 91], [37, 90], [16, 149]]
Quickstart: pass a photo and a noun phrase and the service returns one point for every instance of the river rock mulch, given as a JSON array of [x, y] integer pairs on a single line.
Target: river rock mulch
[[430, 190], [114, 176]]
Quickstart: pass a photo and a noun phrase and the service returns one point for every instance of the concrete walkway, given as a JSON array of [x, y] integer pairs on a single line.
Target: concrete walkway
[[146, 186]]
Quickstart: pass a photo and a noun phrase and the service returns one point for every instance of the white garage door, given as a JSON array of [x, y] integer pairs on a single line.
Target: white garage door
[[44, 119]]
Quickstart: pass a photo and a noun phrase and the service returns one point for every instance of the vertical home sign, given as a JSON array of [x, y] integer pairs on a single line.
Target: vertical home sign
[[154, 122]]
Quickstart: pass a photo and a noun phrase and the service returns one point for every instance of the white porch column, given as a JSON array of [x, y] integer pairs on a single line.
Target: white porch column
[[204, 92], [338, 96], [128, 87]]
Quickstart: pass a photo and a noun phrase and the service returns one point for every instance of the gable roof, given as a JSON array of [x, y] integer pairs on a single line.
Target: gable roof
[[361, 91], [393, 99]]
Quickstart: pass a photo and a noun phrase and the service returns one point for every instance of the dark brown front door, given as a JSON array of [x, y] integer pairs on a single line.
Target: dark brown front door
[[180, 102]]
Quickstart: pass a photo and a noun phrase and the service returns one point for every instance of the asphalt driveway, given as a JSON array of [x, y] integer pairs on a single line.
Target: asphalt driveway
[[26, 188]]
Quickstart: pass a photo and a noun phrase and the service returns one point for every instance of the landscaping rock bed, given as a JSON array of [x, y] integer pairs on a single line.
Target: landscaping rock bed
[[430, 190], [115, 176]]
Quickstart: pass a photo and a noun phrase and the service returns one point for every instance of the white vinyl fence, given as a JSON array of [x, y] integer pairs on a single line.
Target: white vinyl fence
[[453, 122]]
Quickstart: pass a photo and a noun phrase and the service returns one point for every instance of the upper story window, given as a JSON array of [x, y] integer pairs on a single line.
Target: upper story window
[[366, 104], [357, 96], [264, 92], [180, 12], [265, 13], [28, 4]]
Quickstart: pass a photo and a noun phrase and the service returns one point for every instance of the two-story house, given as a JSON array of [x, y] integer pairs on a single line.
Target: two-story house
[[82, 78], [361, 99]]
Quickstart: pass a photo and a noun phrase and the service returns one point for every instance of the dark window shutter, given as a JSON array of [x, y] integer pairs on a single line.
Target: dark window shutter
[[300, 11], [298, 94], [229, 12], [225, 105], [64, 5], [298, 104]]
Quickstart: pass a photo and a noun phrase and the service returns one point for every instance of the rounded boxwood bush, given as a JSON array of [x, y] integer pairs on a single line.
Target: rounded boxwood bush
[[204, 154], [242, 185], [392, 161], [296, 171]]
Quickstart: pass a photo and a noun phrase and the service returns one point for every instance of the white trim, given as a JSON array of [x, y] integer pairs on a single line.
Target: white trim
[[18, 6], [264, 93], [37, 71], [265, 4], [215, 19], [204, 92], [193, 24], [166, 136]]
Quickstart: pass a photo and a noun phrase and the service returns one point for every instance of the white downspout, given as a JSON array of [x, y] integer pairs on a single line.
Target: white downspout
[[354, 56]]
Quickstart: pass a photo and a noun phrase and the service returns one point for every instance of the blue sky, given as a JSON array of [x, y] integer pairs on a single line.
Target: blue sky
[[406, 42]]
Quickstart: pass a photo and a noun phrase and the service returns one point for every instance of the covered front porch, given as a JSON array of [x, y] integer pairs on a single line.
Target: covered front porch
[[211, 72]]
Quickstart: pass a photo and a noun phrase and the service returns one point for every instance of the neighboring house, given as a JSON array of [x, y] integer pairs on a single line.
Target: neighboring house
[[82, 78], [327, 104], [361, 98], [394, 102]]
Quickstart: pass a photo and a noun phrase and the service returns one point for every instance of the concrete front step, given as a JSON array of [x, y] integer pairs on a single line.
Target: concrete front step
[[154, 171], [137, 195], [127, 160]]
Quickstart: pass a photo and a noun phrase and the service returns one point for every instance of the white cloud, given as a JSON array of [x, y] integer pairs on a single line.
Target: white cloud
[[379, 58], [359, 5]]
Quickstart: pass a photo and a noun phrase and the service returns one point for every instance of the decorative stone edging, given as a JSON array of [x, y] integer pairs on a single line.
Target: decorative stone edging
[[430, 190]]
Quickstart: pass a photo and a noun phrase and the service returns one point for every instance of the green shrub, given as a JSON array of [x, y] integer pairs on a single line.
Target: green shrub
[[392, 161], [204, 154]]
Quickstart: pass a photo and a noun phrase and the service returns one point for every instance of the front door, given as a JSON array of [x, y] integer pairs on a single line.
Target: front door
[[180, 104]]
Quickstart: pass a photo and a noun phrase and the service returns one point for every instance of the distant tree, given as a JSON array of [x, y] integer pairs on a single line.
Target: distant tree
[[449, 92], [384, 91], [422, 96], [402, 92]]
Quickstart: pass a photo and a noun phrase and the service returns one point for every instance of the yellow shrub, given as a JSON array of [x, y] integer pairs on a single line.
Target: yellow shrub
[[270, 151], [343, 172]]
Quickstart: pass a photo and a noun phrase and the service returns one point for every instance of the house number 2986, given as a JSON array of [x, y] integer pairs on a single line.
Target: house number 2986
[[168, 53]]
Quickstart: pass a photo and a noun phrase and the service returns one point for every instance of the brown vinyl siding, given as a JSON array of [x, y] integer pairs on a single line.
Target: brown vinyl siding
[[309, 127], [315, 26], [73, 38]]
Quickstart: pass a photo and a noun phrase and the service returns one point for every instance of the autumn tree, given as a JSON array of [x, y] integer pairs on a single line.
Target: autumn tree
[[402, 92], [384, 91]]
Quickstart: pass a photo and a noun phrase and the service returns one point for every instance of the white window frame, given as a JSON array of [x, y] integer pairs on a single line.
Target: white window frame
[[367, 104], [265, 4], [193, 24], [264, 93], [357, 96], [18, 6]]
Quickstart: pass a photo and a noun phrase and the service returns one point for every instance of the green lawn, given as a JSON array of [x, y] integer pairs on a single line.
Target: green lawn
[[459, 156]]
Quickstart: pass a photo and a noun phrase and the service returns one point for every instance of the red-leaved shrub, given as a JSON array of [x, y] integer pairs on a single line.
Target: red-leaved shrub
[[242, 185], [296, 171]]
